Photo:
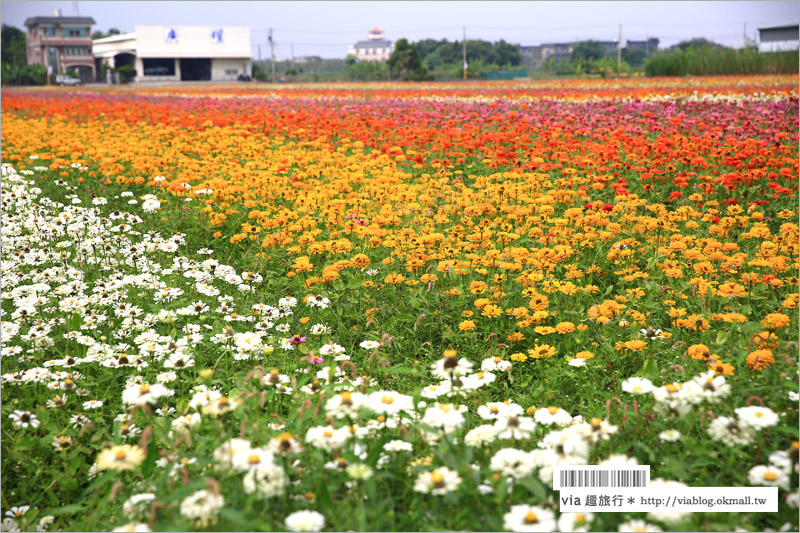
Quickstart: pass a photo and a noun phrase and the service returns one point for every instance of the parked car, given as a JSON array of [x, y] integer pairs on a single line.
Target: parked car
[[63, 79], [244, 77]]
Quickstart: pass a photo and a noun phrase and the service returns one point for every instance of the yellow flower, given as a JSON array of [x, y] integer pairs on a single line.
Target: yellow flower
[[360, 261], [775, 321], [492, 311], [123, 457], [731, 290], [565, 327], [760, 359], [466, 325], [584, 355], [699, 351], [480, 303], [635, 345], [541, 351], [394, 278]]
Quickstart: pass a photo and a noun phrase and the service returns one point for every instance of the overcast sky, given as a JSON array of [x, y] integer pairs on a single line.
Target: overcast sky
[[326, 28]]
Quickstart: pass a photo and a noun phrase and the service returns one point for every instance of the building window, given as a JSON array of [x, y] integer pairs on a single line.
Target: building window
[[76, 32], [49, 32], [74, 51], [158, 67], [231, 72]]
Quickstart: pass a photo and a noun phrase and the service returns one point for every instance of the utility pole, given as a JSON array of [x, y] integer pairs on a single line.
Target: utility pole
[[292, 48], [464, 51], [272, 54], [619, 52], [744, 35]]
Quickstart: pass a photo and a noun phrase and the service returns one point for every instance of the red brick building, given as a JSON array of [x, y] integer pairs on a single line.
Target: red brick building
[[63, 43]]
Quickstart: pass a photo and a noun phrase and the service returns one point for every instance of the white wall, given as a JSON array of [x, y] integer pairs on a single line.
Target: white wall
[[193, 41], [114, 45], [778, 46], [241, 65]]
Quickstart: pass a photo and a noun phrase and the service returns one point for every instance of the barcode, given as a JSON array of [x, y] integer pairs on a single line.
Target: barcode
[[602, 478]]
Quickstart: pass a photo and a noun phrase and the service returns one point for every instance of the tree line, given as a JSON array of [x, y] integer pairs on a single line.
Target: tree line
[[431, 58]]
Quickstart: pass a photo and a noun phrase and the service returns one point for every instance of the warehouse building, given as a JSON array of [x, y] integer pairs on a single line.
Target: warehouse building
[[778, 38], [179, 53]]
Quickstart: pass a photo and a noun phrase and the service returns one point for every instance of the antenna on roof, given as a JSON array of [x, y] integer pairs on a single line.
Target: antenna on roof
[[75, 12]]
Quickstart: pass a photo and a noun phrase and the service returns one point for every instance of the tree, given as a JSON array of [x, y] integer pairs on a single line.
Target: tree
[[633, 57], [586, 51], [405, 62], [507, 54], [15, 69], [697, 43], [13, 46], [100, 35]]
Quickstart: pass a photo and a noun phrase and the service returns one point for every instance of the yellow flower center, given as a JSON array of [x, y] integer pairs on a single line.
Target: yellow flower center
[[770, 476], [387, 399], [144, 389], [120, 455], [437, 478], [531, 517], [254, 459], [552, 410]]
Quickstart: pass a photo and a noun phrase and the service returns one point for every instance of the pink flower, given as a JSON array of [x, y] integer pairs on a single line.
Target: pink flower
[[297, 339]]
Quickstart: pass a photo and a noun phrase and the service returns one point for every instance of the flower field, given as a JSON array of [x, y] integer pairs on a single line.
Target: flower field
[[396, 307]]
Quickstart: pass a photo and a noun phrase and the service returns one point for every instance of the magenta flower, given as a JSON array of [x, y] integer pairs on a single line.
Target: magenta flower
[[297, 339]]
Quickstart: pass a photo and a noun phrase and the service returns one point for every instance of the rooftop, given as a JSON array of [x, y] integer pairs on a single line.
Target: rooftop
[[115, 38], [33, 21], [784, 27], [372, 44]]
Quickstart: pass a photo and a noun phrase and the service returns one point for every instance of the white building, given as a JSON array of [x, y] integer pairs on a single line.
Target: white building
[[375, 48], [778, 38], [180, 53]]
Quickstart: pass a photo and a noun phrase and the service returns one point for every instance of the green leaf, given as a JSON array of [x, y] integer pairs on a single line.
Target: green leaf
[[535, 487], [372, 459], [324, 497], [236, 517], [150, 461], [65, 509], [397, 369], [650, 370]]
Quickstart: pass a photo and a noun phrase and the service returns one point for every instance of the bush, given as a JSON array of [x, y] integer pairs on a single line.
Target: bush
[[126, 73], [24, 75], [707, 61]]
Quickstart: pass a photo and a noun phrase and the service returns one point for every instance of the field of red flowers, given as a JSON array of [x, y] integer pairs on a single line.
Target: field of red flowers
[[397, 307]]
